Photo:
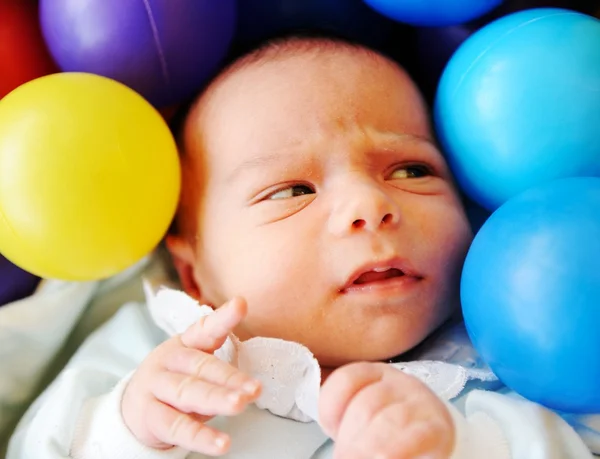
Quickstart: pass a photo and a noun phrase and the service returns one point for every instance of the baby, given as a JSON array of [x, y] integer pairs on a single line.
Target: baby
[[316, 209], [314, 192]]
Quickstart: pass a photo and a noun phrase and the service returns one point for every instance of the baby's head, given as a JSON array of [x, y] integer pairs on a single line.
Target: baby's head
[[314, 189]]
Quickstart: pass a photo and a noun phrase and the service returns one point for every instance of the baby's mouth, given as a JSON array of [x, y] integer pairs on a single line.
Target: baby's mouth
[[377, 276], [392, 275]]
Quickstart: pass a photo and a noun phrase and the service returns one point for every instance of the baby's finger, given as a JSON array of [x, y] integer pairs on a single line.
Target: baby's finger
[[383, 438], [210, 332], [191, 395], [210, 369], [430, 438], [339, 390], [368, 404], [185, 431]]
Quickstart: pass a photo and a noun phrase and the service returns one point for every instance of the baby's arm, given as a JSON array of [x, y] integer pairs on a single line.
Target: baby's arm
[[108, 356], [506, 426], [375, 410]]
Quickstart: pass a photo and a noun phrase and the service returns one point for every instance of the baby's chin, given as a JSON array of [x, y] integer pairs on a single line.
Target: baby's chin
[[383, 348], [363, 352]]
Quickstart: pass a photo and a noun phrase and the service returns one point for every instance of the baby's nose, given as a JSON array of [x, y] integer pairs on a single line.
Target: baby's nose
[[372, 223], [366, 209]]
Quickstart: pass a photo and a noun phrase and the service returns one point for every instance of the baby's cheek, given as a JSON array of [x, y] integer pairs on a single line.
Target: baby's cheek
[[460, 239], [252, 264], [449, 235], [277, 291]]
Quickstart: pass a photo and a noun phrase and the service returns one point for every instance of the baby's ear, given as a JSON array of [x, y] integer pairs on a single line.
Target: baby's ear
[[184, 259]]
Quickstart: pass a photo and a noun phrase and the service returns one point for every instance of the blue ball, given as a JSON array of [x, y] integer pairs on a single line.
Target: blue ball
[[530, 293], [519, 104], [433, 13]]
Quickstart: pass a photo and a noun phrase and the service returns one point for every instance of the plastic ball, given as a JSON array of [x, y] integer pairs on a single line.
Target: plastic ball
[[519, 104], [263, 19], [530, 293], [436, 45], [89, 177], [433, 12], [15, 283], [23, 52], [164, 49]]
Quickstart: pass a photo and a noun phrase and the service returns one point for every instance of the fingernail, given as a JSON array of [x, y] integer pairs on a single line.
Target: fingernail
[[235, 397], [251, 387], [230, 302], [220, 441]]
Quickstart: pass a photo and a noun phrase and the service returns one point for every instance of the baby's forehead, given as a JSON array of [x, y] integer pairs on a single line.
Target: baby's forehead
[[274, 100], [344, 62], [299, 75]]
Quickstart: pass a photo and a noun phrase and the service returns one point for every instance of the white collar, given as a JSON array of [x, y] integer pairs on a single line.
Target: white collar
[[288, 371]]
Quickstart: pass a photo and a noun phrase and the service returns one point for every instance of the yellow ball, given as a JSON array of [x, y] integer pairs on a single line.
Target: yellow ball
[[89, 177]]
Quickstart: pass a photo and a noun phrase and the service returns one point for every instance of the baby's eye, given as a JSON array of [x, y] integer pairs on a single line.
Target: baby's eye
[[411, 171], [291, 192]]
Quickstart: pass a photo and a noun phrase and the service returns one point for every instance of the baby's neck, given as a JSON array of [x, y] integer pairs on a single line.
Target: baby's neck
[[325, 372]]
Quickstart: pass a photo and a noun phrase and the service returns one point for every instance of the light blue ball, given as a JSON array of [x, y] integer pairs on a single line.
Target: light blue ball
[[519, 104], [433, 13], [530, 293]]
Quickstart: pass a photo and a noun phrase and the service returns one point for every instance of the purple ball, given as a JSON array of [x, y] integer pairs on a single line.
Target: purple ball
[[164, 49], [14, 282]]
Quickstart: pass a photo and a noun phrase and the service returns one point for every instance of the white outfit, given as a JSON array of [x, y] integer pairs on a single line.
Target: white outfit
[[78, 415]]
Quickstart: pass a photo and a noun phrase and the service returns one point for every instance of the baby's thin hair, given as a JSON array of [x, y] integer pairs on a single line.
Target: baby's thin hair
[[295, 45]]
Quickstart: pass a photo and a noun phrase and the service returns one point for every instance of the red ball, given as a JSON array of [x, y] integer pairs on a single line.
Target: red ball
[[23, 52]]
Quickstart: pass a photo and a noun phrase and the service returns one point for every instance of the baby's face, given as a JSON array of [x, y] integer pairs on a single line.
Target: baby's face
[[325, 203]]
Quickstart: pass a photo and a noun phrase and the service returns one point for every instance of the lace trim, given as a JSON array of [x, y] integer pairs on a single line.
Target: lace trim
[[445, 379], [289, 372]]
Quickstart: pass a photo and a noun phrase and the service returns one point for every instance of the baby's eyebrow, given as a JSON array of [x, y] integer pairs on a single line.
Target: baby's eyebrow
[[258, 162], [404, 137]]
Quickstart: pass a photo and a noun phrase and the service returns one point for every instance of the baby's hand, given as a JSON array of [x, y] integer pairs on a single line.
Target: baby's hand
[[181, 385], [372, 410]]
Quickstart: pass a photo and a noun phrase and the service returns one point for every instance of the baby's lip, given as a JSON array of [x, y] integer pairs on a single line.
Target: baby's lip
[[394, 267]]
